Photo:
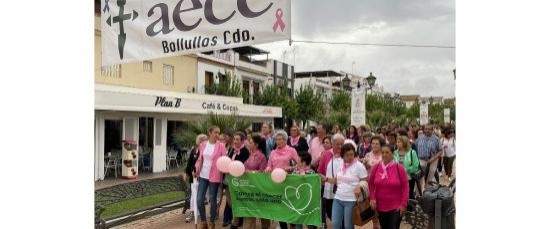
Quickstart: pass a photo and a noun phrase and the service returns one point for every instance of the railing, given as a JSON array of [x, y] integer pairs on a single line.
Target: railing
[[247, 60], [224, 56]]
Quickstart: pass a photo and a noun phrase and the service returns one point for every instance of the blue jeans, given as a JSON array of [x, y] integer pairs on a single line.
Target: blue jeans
[[213, 187], [342, 210]]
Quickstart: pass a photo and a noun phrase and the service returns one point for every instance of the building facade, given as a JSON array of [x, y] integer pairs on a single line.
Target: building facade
[[148, 101]]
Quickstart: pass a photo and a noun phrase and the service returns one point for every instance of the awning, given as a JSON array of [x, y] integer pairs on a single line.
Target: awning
[[108, 97]]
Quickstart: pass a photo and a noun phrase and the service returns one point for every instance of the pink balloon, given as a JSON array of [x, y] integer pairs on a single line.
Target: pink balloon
[[278, 175], [223, 164], [236, 168]]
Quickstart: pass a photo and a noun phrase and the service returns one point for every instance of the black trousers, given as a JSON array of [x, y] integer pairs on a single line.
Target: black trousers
[[412, 184], [448, 165], [328, 207], [389, 220]]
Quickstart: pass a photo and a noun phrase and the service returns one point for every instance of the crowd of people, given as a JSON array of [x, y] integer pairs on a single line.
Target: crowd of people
[[389, 166]]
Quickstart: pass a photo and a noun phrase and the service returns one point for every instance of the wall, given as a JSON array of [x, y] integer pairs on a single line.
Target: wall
[[208, 66], [132, 74]]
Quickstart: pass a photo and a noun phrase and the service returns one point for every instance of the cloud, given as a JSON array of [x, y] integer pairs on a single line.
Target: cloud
[[425, 71]]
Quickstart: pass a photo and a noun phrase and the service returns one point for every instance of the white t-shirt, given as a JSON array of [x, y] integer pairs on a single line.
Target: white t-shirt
[[338, 163], [349, 180], [207, 160], [450, 150]]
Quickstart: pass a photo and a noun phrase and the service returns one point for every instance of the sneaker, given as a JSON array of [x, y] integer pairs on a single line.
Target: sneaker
[[189, 217]]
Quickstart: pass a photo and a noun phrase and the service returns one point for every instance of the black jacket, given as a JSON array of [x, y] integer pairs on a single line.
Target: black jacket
[[301, 147], [243, 155], [193, 156]]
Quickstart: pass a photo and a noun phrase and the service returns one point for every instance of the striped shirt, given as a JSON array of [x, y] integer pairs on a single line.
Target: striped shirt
[[427, 147]]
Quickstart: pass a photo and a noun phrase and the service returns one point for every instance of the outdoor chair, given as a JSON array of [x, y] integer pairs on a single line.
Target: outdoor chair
[[171, 156], [111, 164]]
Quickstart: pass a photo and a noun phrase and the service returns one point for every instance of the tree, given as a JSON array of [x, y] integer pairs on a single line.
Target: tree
[[341, 101], [309, 104], [278, 95], [228, 85], [234, 122]]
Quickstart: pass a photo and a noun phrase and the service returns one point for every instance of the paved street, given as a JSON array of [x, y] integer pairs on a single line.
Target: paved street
[[175, 219]]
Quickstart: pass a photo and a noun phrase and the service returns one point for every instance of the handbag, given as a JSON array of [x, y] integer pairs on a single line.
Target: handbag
[[362, 213], [419, 174]]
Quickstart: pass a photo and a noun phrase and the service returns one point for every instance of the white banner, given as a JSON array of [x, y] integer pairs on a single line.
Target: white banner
[[358, 107], [447, 115], [424, 118], [136, 30]]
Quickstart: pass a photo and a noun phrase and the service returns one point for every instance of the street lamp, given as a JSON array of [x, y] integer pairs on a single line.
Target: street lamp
[[346, 82], [371, 80]]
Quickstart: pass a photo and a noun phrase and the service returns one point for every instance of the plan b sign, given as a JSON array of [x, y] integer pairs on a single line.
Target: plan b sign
[[136, 30]]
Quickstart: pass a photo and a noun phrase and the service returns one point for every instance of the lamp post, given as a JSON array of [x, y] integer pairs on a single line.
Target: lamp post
[[346, 82], [370, 83]]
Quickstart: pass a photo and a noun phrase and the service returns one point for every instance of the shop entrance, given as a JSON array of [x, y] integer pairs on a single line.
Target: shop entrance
[[113, 136], [173, 145], [146, 144], [112, 147]]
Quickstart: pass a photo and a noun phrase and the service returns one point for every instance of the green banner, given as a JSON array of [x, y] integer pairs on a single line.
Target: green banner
[[297, 200]]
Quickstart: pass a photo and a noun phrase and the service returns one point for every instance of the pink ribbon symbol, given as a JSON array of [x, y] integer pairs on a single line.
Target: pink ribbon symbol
[[279, 23]]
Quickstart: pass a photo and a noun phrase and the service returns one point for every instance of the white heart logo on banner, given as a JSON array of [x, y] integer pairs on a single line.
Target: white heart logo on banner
[[306, 189]]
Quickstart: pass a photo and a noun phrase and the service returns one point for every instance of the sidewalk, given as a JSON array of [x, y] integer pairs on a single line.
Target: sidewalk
[[175, 220]]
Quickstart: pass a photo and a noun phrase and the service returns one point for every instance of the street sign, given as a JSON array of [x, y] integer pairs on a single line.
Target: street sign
[[358, 107], [424, 118], [447, 115]]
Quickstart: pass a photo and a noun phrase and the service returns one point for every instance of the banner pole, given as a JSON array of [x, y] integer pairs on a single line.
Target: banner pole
[[290, 25]]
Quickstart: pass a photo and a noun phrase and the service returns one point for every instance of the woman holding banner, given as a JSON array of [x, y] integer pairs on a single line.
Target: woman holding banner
[[282, 157], [208, 174], [347, 180], [240, 153], [256, 162]]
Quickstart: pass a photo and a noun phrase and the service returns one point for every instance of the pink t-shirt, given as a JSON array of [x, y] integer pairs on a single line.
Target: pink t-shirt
[[390, 193], [316, 148], [325, 159], [280, 158]]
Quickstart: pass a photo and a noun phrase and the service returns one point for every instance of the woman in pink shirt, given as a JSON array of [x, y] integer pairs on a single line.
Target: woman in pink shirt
[[208, 174], [256, 162], [281, 157], [389, 190]]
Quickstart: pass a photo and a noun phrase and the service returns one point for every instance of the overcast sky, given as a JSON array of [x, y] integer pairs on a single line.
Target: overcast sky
[[424, 71]]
